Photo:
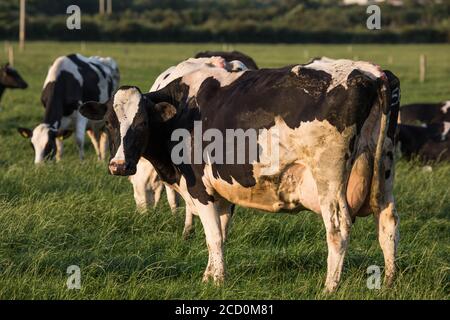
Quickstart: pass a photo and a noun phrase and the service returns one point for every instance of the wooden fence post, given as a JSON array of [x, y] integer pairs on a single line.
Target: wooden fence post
[[422, 68], [108, 7], [101, 7], [11, 56], [22, 26]]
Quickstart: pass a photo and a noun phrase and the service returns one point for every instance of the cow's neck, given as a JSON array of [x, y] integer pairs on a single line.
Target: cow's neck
[[158, 153]]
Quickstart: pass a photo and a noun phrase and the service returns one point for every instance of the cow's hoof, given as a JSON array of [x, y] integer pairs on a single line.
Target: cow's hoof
[[388, 280], [187, 233], [217, 278], [330, 287]]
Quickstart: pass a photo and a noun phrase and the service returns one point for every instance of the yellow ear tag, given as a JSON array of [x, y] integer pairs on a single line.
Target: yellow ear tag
[[61, 138]]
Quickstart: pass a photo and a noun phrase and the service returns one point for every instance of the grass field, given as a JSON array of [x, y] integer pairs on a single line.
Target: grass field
[[74, 213]]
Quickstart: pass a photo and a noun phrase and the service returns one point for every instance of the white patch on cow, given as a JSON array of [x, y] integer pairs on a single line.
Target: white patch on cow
[[195, 79], [126, 106], [446, 130], [39, 140], [314, 148], [188, 66], [109, 67], [63, 64], [445, 107], [236, 65], [340, 69]]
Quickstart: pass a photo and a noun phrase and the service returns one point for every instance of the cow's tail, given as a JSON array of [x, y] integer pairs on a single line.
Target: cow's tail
[[384, 103]]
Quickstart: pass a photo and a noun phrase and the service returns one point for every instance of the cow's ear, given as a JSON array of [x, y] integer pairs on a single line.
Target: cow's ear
[[165, 110], [93, 110], [63, 134], [24, 132]]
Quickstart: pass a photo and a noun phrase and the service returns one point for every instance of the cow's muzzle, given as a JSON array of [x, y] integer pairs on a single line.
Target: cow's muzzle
[[121, 168]]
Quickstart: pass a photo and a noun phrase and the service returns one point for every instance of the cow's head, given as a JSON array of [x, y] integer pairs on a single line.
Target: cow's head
[[10, 78], [43, 140], [128, 117]]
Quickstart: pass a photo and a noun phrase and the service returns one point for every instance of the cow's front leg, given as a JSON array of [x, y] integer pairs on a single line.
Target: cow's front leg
[[157, 191], [81, 123], [337, 222], [188, 222], [95, 141], [142, 196], [211, 224], [103, 145], [59, 149]]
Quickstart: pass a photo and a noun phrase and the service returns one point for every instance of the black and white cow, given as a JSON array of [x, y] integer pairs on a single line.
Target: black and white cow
[[426, 114], [424, 131], [147, 186], [230, 56], [10, 79], [424, 142], [72, 80], [333, 123]]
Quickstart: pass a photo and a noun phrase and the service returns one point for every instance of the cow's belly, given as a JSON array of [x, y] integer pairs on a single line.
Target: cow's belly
[[293, 190]]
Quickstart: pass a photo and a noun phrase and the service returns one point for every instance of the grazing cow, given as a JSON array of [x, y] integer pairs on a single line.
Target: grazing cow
[[330, 124], [424, 142], [425, 131], [72, 80], [147, 186], [230, 56], [436, 114], [10, 79]]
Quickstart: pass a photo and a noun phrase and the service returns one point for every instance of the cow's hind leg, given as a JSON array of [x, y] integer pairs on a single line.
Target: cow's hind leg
[[337, 220], [387, 226], [386, 217]]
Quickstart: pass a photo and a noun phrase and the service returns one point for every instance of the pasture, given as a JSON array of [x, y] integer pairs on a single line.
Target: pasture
[[74, 213]]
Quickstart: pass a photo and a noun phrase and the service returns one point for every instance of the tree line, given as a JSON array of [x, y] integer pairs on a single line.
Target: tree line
[[289, 21]]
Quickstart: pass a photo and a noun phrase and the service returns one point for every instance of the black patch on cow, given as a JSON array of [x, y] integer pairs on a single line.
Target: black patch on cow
[[387, 174], [61, 97], [99, 68], [166, 76], [390, 155]]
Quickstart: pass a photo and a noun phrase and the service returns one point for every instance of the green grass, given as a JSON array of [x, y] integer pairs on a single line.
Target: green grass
[[72, 212]]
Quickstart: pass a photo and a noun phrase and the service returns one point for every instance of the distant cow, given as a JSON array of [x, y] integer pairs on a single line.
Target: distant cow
[[10, 79], [230, 56], [424, 142], [147, 186], [332, 122], [425, 131], [72, 80], [427, 114]]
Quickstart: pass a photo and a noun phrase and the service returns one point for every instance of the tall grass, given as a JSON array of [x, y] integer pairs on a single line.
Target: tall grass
[[74, 213]]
